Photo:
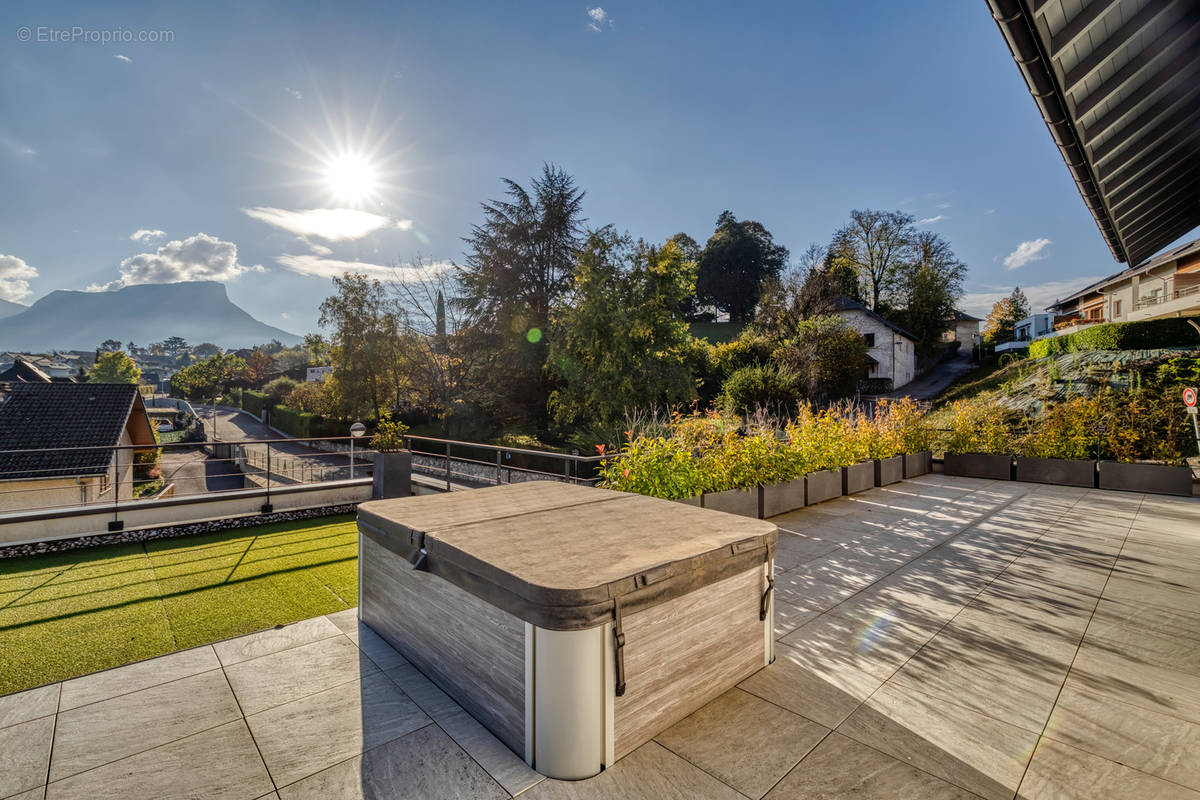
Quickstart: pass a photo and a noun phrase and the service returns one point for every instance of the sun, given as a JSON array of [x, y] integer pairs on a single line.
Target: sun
[[351, 178]]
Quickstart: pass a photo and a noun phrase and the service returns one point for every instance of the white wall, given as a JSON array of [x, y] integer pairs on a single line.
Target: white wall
[[895, 353]]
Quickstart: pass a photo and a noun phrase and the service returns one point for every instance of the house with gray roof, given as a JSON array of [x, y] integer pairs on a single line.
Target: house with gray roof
[[57, 443]]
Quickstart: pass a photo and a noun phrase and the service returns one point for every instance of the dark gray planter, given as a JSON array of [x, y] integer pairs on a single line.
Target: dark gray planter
[[695, 500], [392, 475], [743, 502], [858, 477], [889, 470], [1153, 478], [780, 498], [978, 465], [1058, 471], [821, 486], [918, 463]]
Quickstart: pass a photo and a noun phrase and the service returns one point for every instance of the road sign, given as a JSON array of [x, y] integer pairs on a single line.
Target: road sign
[[1189, 397]]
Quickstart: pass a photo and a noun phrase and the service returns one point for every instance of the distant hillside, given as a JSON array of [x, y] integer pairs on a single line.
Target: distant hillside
[[199, 312], [8, 308]]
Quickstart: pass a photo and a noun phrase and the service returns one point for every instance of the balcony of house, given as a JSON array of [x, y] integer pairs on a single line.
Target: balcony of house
[[1181, 302]]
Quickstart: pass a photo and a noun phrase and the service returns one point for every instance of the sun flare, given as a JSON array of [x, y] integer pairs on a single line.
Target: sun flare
[[351, 178]]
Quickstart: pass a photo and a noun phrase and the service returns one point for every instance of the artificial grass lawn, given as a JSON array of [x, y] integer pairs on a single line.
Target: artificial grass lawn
[[68, 614]]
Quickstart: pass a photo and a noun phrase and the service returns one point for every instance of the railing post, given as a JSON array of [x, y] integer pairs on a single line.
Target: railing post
[[447, 466], [266, 507], [116, 524], [499, 468]]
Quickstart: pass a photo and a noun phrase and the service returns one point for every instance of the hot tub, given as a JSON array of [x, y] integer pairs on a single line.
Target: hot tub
[[574, 623]]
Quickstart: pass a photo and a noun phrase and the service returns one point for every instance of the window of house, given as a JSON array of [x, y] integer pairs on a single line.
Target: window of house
[[870, 337], [1116, 308]]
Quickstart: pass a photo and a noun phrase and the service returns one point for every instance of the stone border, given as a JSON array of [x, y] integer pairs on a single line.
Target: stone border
[[173, 531]]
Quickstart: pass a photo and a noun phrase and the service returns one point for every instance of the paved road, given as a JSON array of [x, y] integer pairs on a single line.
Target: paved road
[[933, 383]]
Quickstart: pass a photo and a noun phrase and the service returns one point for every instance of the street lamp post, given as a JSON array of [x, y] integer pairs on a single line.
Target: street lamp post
[[356, 430]]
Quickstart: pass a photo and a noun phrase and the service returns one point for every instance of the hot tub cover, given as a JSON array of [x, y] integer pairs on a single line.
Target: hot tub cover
[[564, 557]]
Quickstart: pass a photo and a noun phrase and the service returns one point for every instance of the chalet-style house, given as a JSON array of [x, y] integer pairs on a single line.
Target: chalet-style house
[[56, 440]]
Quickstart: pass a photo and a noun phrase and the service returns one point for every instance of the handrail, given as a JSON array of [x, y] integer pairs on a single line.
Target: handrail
[[503, 448]]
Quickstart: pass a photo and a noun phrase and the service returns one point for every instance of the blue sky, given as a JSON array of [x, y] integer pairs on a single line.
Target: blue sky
[[666, 113]]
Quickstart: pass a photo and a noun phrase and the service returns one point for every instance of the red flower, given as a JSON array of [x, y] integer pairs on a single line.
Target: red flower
[[600, 449]]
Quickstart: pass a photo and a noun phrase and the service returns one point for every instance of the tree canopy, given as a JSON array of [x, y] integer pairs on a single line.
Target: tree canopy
[[1006, 312], [737, 259], [622, 344], [114, 367]]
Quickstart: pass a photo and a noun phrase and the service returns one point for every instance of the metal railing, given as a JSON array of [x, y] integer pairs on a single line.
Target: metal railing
[[483, 464], [43, 479], [1158, 299]]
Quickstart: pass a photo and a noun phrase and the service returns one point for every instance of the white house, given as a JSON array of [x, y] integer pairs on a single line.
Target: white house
[[318, 373], [1035, 326], [892, 351]]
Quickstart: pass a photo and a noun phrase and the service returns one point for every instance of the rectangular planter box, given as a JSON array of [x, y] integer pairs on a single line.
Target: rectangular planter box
[[694, 500], [889, 470], [978, 465], [1057, 471], [858, 477], [780, 498], [572, 663], [822, 486], [1153, 478], [917, 463], [743, 502]]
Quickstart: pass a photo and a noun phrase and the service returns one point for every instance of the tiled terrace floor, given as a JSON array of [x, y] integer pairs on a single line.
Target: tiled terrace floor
[[941, 638]]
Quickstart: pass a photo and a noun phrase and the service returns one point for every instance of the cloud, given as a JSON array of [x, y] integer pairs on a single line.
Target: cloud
[[943, 206], [294, 93], [318, 267], [15, 275], [931, 220], [1032, 250], [196, 258], [1040, 295], [330, 224], [599, 19], [144, 235], [126, 59]]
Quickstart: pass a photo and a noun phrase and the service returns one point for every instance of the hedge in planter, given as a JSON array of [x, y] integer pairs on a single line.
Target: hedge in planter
[[1146, 335]]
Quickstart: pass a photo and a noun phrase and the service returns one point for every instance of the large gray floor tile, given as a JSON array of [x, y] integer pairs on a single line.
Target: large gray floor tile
[[960, 746], [1145, 616], [33, 794], [795, 549], [382, 654], [1128, 678], [346, 620], [423, 764], [24, 755], [317, 731], [30, 704], [822, 689], [1060, 772], [1175, 652], [221, 763], [743, 740], [274, 640], [505, 767], [96, 734], [649, 773], [1155, 743], [1012, 674], [789, 617], [134, 677], [288, 675], [874, 642], [840, 768]]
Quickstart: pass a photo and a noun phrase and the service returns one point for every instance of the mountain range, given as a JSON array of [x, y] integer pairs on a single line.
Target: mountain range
[[199, 311], [8, 308]]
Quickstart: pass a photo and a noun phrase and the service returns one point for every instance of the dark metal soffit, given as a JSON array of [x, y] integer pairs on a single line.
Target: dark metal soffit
[[1118, 85]]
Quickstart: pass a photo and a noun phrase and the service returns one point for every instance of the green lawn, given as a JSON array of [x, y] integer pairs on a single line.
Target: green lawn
[[69, 614]]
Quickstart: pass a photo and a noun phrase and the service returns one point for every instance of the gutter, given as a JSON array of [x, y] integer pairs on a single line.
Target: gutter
[[1016, 24]]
